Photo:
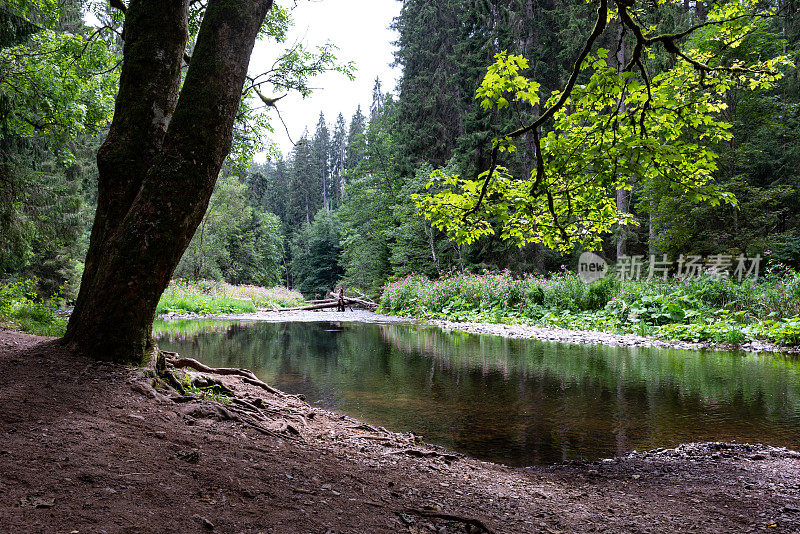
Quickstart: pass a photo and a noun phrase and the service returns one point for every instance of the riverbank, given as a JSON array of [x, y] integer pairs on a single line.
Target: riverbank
[[92, 447], [590, 337]]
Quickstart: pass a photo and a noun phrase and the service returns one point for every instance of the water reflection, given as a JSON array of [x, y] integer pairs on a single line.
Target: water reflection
[[519, 402]]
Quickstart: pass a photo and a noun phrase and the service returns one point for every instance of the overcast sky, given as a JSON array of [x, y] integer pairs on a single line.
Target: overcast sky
[[361, 30]]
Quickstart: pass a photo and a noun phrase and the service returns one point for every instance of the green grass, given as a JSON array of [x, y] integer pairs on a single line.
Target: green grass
[[219, 298], [703, 310]]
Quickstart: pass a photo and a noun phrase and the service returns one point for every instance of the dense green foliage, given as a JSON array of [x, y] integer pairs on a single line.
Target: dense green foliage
[[705, 309], [315, 255], [615, 131], [23, 309], [236, 242], [57, 83]]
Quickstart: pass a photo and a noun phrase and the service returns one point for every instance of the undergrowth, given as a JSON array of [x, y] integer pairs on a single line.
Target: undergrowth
[[701, 310], [207, 297], [21, 308]]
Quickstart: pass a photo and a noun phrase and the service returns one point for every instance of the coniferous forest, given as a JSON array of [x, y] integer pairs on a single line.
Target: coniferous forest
[[339, 207], [344, 195]]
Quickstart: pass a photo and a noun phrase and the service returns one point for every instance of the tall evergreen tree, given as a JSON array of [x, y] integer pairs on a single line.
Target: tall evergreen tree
[[303, 187], [368, 223], [320, 162], [337, 155], [269, 187], [356, 143], [429, 114], [377, 100]]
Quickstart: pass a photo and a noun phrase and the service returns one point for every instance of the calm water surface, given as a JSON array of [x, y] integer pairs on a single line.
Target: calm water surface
[[519, 402]]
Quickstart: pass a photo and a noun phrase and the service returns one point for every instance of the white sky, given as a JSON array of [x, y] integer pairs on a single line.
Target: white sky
[[360, 28]]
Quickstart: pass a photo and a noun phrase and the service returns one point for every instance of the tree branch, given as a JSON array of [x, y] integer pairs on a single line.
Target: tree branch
[[597, 31]]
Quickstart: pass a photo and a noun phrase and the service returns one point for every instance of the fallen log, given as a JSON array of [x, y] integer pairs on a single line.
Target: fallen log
[[362, 302], [333, 303], [319, 306]]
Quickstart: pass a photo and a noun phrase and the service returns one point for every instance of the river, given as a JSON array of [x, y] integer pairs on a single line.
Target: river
[[514, 401]]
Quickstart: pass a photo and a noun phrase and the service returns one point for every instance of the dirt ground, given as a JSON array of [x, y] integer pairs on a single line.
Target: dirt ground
[[91, 447]]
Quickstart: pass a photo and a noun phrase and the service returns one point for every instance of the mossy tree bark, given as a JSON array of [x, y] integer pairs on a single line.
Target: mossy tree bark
[[158, 165]]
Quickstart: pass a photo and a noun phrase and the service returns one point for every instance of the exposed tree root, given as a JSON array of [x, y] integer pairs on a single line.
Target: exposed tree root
[[262, 385], [252, 420], [239, 410], [173, 382], [247, 376], [247, 405], [451, 517], [364, 426]]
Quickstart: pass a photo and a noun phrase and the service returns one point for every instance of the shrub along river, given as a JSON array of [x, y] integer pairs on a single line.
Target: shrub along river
[[517, 402]]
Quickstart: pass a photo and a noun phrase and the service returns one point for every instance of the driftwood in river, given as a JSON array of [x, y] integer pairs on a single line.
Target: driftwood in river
[[339, 303]]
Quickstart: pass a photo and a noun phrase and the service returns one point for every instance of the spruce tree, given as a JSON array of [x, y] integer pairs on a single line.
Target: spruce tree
[[302, 201], [337, 155], [356, 144], [320, 162], [377, 100]]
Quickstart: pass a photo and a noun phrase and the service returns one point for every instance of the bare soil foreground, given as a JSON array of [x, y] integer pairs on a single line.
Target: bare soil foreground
[[90, 447]]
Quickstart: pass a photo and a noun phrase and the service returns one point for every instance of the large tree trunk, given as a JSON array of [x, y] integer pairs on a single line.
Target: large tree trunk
[[159, 164]]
